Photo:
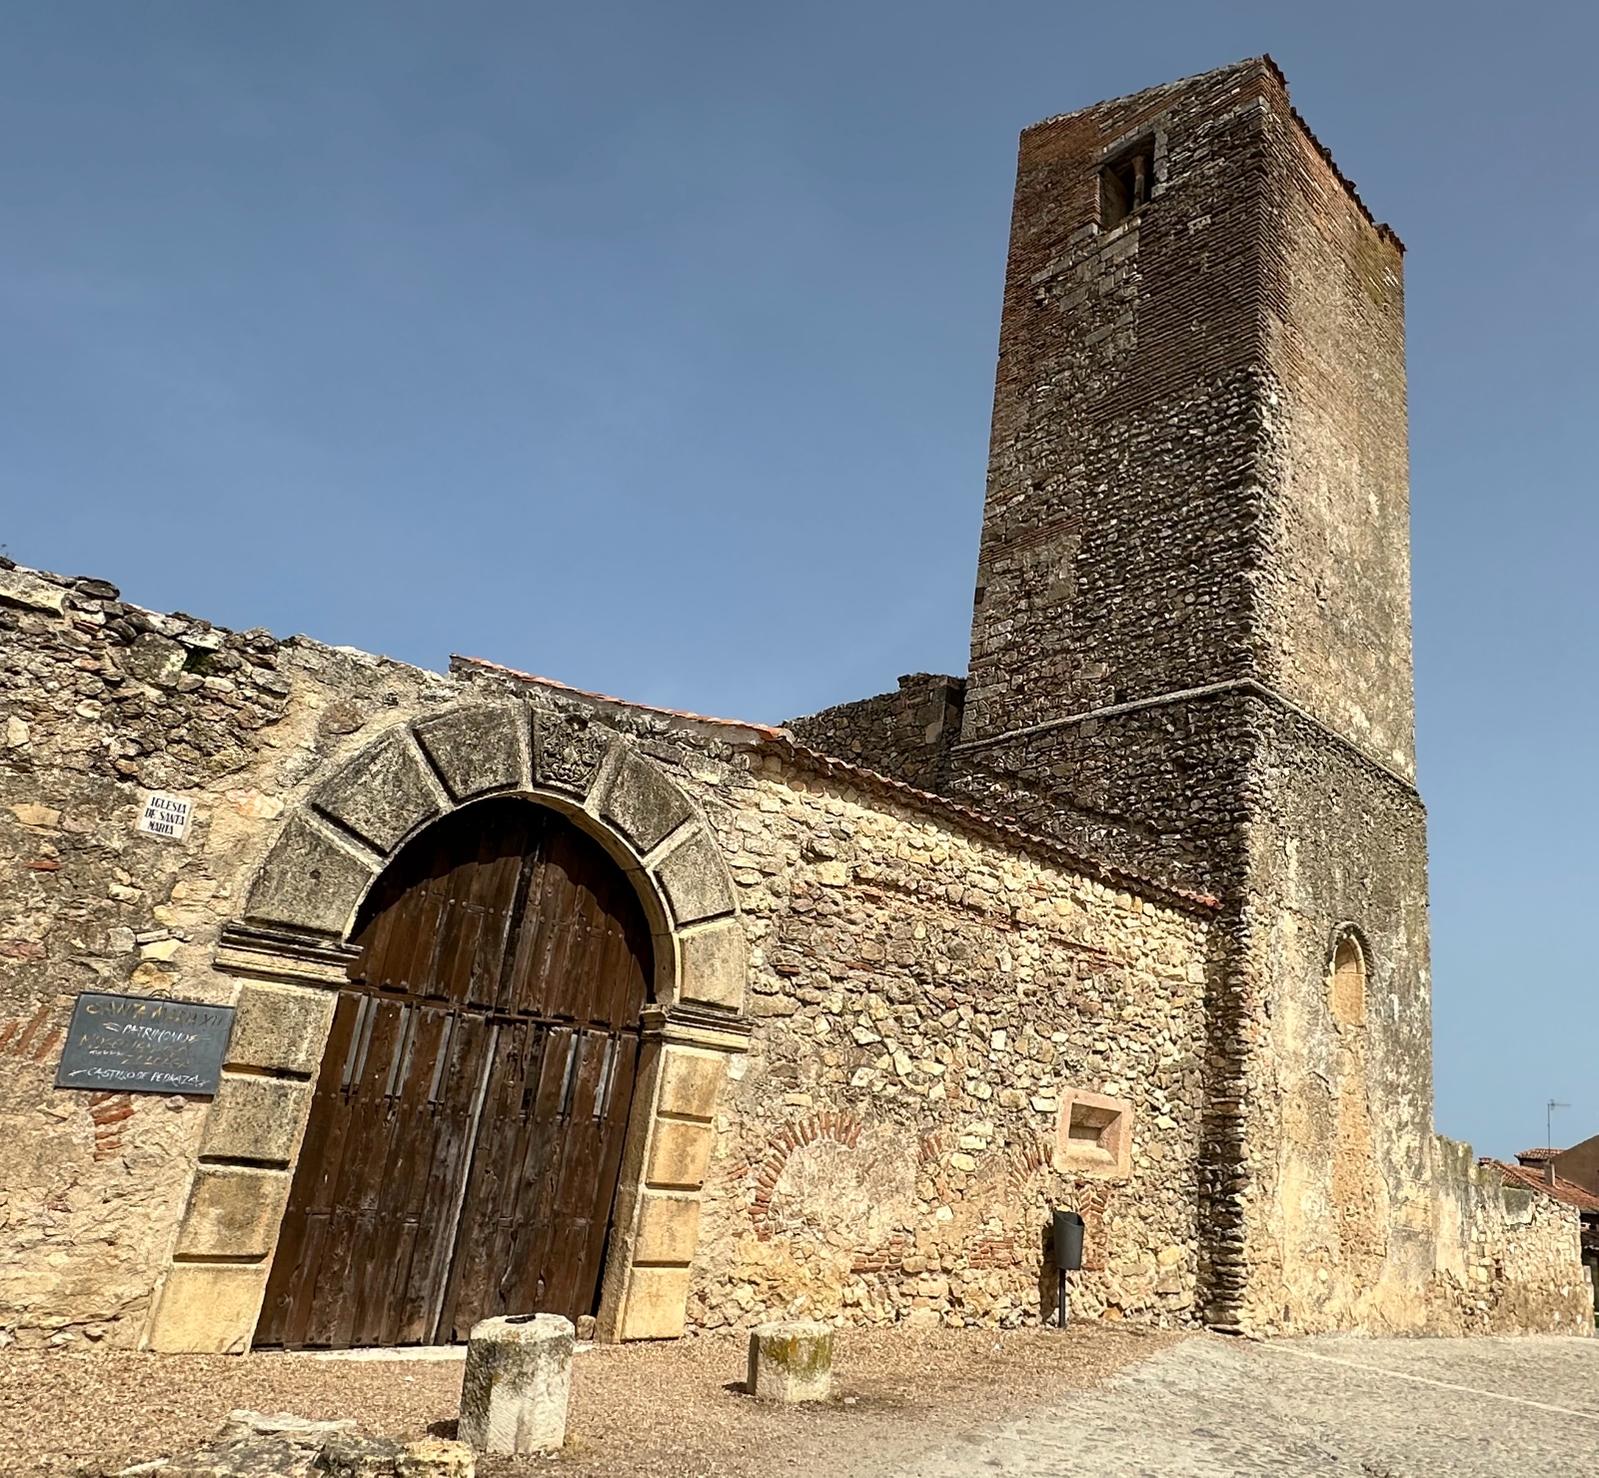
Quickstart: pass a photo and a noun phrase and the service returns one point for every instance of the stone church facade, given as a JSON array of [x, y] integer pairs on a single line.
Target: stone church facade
[[1130, 919]]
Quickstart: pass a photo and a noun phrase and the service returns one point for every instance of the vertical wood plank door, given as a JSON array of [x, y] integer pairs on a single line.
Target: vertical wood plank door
[[466, 1128]]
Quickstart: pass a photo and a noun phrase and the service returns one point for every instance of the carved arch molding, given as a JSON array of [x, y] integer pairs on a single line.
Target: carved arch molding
[[289, 949]]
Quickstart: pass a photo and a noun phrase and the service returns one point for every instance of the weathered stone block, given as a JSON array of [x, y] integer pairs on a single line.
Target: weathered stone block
[[349, 1456], [435, 1457], [255, 1118], [383, 794], [654, 1304], [1093, 1135], [695, 880], [567, 751], [24, 588], [289, 1447], [679, 1153], [309, 882], [690, 1081], [245, 1423], [233, 1212], [715, 965], [643, 803], [517, 1382], [242, 1457], [791, 1362], [477, 749], [668, 1228], [208, 1308], [154, 659], [280, 1028]]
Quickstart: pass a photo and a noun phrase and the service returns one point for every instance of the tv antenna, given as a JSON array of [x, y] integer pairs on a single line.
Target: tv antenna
[[1549, 1122]]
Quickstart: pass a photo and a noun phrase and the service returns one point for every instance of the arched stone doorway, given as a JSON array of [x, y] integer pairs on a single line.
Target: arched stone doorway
[[292, 947], [466, 1131]]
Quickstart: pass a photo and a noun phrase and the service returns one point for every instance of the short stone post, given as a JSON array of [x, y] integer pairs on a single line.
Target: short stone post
[[791, 1362], [518, 1378]]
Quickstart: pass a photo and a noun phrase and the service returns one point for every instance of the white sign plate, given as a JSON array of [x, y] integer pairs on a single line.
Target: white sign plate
[[166, 815]]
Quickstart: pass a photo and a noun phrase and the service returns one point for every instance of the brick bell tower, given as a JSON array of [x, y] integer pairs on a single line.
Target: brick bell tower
[[1191, 646]]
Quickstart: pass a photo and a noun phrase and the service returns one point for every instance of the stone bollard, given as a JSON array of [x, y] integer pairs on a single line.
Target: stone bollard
[[791, 1362], [518, 1377]]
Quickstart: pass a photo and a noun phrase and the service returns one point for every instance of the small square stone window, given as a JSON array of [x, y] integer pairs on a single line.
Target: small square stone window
[[1093, 1135], [1125, 183]]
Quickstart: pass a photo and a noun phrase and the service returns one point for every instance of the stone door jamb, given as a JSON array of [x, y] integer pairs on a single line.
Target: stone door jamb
[[289, 952]]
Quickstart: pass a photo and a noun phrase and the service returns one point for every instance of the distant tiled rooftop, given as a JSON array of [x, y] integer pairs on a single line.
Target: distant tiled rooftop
[[1538, 1180]]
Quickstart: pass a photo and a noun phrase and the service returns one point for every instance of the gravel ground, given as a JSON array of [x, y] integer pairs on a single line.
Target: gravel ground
[[673, 1409]]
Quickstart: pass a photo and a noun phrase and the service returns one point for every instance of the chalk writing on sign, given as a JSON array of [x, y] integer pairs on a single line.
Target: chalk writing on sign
[[143, 1044], [166, 815]]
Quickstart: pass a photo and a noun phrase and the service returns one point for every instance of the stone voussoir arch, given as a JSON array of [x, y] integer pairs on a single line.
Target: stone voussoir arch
[[290, 947], [331, 851]]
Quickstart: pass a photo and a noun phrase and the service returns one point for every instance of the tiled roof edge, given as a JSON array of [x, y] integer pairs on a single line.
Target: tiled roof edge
[[1567, 1192], [1382, 228], [781, 742], [608, 700], [1005, 831]]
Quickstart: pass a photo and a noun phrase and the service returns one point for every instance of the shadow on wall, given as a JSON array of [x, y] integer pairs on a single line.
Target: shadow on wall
[[1048, 1275]]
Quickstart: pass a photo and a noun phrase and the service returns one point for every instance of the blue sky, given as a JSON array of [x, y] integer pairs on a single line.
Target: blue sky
[[650, 347]]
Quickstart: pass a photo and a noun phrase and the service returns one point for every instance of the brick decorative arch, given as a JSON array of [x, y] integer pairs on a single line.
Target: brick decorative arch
[[289, 947], [841, 1128]]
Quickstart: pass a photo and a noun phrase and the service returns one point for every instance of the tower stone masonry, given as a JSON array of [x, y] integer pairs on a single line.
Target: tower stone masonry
[[1191, 633]]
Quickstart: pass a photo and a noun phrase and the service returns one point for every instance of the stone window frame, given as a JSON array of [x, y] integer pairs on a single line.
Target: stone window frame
[[289, 951], [1109, 1155], [1345, 938], [1146, 147]]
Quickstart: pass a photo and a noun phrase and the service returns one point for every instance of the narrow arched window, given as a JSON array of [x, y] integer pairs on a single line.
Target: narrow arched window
[[1347, 987]]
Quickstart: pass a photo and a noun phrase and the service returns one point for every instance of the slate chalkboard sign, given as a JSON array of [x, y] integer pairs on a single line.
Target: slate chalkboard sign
[[144, 1044]]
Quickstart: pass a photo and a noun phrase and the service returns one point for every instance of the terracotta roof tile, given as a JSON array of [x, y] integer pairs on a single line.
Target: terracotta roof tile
[[783, 742], [1017, 835], [766, 730], [1562, 1189]]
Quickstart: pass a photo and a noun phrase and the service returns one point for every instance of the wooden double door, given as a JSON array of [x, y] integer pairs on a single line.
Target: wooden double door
[[466, 1130]]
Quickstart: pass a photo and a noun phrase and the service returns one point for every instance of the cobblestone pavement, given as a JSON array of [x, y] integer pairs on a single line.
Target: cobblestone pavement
[[1385, 1408]]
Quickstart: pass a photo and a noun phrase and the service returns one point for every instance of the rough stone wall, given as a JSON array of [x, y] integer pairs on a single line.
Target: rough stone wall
[[1164, 788], [924, 987], [1171, 789], [1508, 1257], [100, 702], [906, 733], [1300, 836], [922, 1000], [1340, 1121], [1316, 1173]]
